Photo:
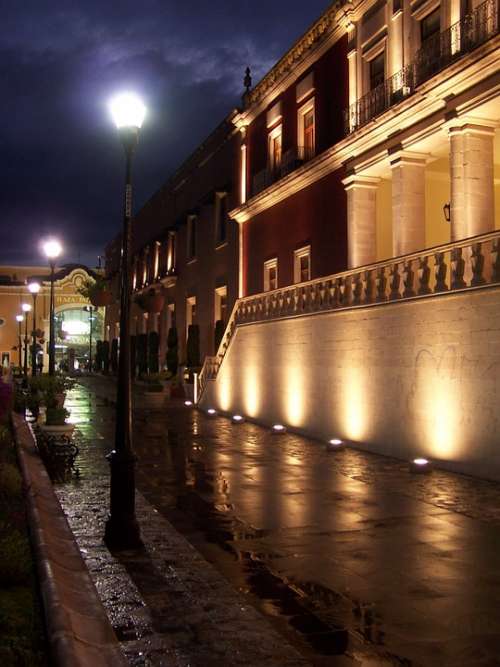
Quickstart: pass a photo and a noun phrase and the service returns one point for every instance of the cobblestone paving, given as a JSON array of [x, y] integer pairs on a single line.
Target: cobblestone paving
[[168, 606], [353, 558]]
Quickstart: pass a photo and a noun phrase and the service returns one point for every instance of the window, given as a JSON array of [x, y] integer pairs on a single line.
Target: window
[[377, 70], [191, 237], [302, 264], [306, 130], [274, 153], [220, 219], [270, 275], [430, 25], [220, 304]]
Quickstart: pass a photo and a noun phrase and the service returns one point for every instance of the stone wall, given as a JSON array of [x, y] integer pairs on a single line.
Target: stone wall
[[416, 377]]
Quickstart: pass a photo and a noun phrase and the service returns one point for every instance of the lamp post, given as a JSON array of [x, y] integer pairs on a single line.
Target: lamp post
[[52, 250], [90, 310], [26, 309], [122, 529], [34, 288], [19, 319]]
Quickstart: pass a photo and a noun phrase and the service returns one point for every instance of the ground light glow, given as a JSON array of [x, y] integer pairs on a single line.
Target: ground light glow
[[420, 465], [211, 412], [237, 419], [334, 445], [278, 428], [188, 404]]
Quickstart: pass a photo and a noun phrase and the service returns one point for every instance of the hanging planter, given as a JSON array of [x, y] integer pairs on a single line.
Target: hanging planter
[[101, 298], [151, 302]]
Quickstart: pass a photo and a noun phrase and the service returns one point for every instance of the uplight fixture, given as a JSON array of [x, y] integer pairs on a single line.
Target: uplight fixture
[[335, 445], [278, 429], [237, 419], [188, 404], [420, 466], [212, 412]]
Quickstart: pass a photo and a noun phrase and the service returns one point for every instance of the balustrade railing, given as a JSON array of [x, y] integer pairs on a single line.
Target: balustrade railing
[[453, 267], [438, 52], [291, 159]]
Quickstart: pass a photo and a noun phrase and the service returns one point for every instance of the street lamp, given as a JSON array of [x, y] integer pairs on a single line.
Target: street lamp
[[52, 249], [89, 309], [19, 319], [122, 529], [34, 288], [26, 309]]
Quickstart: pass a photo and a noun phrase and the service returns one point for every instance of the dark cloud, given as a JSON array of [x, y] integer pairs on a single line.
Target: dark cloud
[[60, 61]]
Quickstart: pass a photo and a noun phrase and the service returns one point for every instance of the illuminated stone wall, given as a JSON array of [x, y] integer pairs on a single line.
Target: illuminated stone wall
[[416, 377]]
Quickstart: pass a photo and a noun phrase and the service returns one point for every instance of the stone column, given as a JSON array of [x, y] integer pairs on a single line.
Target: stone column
[[472, 184], [361, 219], [408, 203]]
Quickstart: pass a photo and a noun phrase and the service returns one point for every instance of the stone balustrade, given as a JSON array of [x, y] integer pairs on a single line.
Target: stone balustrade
[[469, 264]]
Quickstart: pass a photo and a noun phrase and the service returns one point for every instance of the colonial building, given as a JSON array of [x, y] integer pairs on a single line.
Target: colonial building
[[185, 249], [72, 316]]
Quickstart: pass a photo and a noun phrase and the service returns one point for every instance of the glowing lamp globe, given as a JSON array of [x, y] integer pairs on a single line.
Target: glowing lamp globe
[[19, 318], [334, 445], [34, 287], [26, 307], [127, 110], [420, 466], [52, 248]]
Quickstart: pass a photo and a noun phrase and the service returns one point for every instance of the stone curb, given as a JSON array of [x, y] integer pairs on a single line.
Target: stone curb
[[78, 629]]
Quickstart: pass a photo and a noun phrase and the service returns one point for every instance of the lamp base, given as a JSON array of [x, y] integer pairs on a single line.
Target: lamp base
[[122, 533]]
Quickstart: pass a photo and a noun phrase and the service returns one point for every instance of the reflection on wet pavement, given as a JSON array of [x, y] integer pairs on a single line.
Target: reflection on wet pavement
[[346, 553]]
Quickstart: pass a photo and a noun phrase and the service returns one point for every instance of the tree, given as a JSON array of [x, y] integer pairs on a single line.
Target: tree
[[218, 334], [142, 353], [114, 356], [193, 346], [172, 351], [105, 357], [153, 347]]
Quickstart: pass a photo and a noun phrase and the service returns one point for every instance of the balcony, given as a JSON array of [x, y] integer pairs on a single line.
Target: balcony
[[438, 52], [292, 159]]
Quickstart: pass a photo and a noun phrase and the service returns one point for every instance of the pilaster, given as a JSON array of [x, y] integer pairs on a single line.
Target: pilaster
[[361, 219]]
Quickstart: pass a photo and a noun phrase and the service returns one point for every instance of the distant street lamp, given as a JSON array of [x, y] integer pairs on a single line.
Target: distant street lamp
[[34, 288], [26, 309], [122, 529], [89, 309], [19, 319], [52, 249]]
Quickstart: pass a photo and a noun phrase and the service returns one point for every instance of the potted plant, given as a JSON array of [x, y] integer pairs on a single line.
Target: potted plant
[[55, 422], [153, 347], [172, 352], [97, 291], [105, 357], [218, 334], [142, 353]]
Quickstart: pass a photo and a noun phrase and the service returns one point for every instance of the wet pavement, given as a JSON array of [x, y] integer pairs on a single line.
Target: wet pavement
[[352, 559]]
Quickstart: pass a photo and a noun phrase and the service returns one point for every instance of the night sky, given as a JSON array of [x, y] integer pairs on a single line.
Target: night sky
[[61, 61]]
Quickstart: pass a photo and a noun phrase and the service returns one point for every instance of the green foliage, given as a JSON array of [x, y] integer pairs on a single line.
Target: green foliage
[[10, 481], [142, 353], [153, 347], [19, 401], [218, 334], [193, 346], [56, 416], [90, 286], [105, 357], [15, 564], [114, 356], [57, 384], [172, 352]]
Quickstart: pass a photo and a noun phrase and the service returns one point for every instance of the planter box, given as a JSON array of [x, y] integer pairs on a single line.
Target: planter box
[[60, 429]]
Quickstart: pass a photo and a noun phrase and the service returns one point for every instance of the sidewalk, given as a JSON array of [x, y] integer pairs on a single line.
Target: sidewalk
[[167, 605], [353, 559]]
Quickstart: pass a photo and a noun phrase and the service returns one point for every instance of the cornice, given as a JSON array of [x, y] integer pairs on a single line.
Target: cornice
[[311, 46]]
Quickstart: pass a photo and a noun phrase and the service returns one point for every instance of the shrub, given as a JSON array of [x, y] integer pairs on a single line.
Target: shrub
[[153, 346], [56, 416], [10, 481], [5, 399], [142, 352], [15, 565], [193, 346], [105, 357], [98, 356], [114, 356], [172, 352]]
